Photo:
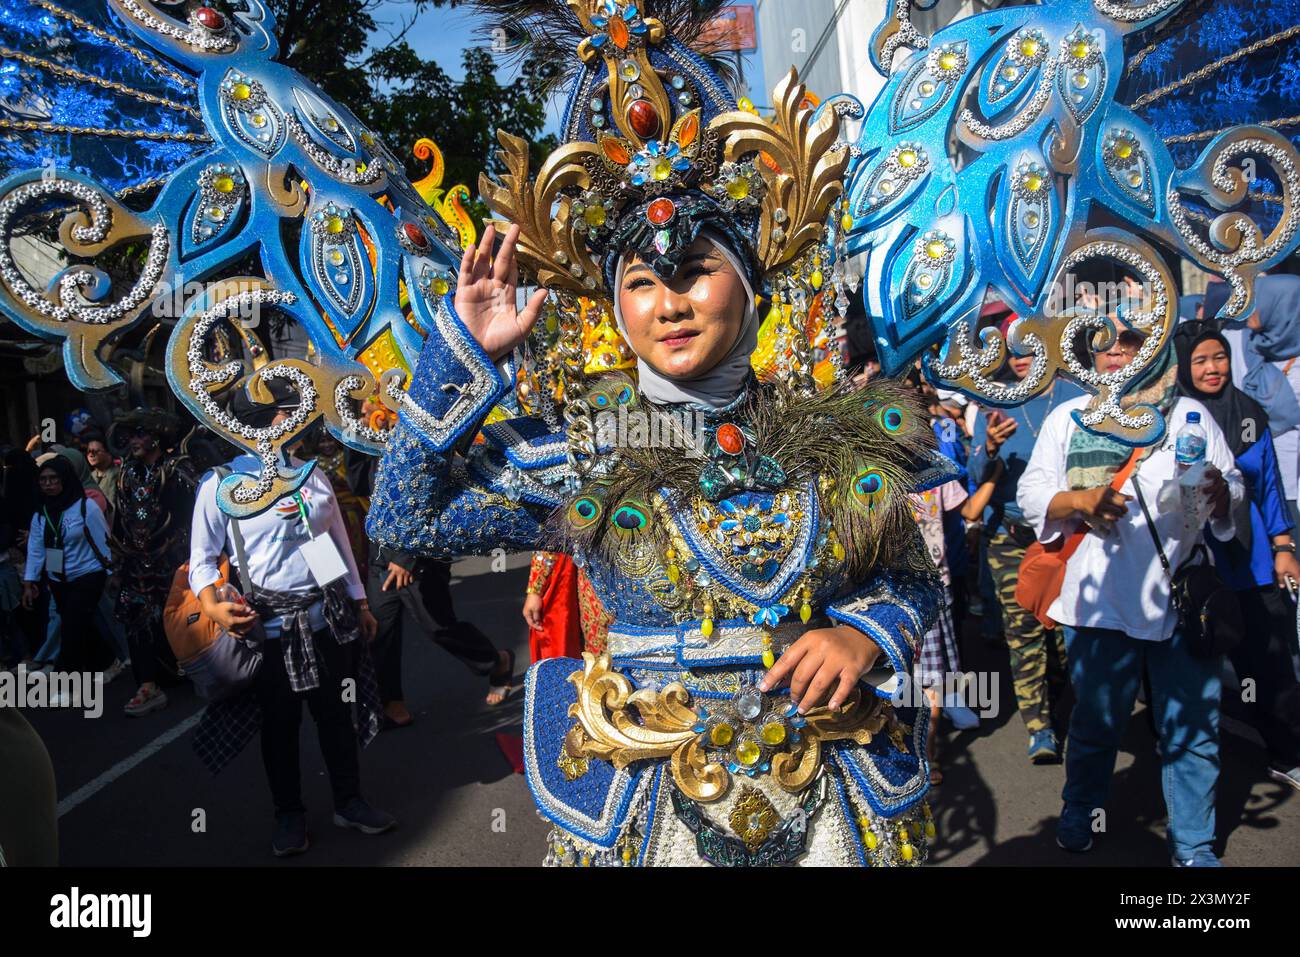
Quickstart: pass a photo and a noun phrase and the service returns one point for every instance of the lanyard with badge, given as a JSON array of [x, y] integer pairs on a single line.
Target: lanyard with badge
[[321, 554], [54, 556]]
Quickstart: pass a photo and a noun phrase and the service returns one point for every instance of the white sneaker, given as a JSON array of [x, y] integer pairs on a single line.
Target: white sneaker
[[962, 717], [113, 670]]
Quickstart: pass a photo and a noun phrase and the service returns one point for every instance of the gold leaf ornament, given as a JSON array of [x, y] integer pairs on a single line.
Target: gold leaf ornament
[[802, 163], [549, 247]]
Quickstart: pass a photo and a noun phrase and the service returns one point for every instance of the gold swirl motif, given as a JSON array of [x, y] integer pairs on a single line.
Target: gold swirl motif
[[802, 162], [619, 725], [1051, 339], [324, 387]]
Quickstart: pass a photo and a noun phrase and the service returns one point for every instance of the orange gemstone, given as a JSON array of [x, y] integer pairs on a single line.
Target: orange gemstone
[[618, 32], [730, 439], [416, 235], [660, 211], [769, 161], [615, 151], [688, 130], [643, 118]]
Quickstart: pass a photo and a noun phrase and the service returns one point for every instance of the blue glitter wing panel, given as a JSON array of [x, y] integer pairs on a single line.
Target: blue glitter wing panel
[[1238, 63], [1016, 153], [109, 106], [76, 94]]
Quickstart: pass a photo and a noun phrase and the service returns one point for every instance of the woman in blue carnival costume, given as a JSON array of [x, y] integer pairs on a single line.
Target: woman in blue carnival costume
[[758, 556]]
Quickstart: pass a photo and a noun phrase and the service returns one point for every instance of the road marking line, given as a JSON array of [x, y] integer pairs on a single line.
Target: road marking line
[[87, 791]]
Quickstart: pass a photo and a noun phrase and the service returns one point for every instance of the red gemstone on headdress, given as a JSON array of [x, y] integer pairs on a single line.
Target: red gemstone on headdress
[[660, 211], [645, 121], [209, 18], [416, 235], [730, 439]]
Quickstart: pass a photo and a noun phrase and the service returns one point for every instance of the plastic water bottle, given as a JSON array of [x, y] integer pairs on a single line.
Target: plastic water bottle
[[1189, 445], [1189, 455]]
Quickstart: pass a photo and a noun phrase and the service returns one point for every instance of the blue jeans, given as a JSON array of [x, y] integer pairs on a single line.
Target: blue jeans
[[1105, 669]]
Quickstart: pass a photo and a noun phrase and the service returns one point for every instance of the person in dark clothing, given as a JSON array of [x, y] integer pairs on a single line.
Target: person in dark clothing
[[150, 538], [67, 547], [398, 583], [18, 498], [1260, 562]]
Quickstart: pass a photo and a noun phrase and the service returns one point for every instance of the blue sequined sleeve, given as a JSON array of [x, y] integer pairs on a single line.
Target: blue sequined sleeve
[[427, 499], [895, 608]]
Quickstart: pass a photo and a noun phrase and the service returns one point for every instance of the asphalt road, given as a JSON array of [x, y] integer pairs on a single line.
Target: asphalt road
[[133, 794]]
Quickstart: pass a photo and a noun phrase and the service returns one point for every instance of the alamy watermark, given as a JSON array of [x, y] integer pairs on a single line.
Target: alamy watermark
[[75, 690], [641, 428]]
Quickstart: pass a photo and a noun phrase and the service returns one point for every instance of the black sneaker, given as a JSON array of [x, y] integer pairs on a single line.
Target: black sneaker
[[361, 816], [290, 834]]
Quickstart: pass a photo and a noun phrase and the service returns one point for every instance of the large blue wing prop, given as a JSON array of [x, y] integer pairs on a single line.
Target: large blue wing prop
[[263, 201], [999, 159]]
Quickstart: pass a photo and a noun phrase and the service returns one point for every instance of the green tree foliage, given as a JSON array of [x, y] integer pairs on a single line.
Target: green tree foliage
[[402, 96]]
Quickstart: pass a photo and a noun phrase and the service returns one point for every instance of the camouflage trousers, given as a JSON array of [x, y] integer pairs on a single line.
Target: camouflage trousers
[[1038, 662]]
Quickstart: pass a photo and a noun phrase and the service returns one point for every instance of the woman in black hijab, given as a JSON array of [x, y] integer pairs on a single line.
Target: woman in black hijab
[[1260, 562], [68, 549]]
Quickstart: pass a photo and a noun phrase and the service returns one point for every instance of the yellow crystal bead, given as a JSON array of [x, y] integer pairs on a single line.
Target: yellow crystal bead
[[334, 225], [1123, 149], [627, 855], [259, 120], [738, 188], [936, 248], [216, 212], [1033, 182], [816, 279], [947, 61], [367, 138], [907, 158], [869, 838], [747, 105], [674, 574], [361, 166], [594, 216], [805, 612], [1080, 49], [926, 87], [838, 551], [769, 659], [907, 852], [930, 829], [662, 169], [241, 91], [586, 860], [440, 286], [224, 184], [706, 627], [1028, 47], [846, 223], [721, 735], [773, 733], [748, 752], [670, 553]]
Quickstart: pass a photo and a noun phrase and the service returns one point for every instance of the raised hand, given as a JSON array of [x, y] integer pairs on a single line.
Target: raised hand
[[485, 295]]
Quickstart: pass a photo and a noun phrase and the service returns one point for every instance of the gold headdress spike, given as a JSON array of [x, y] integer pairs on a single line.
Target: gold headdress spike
[[655, 148]]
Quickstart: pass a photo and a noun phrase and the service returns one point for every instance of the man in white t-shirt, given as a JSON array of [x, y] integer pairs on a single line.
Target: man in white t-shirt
[[1118, 619]]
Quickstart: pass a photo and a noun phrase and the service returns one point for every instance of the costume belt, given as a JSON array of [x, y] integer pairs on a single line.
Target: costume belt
[[734, 641], [709, 741]]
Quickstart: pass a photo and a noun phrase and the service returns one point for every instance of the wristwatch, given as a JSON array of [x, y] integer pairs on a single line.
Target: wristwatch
[[1284, 547]]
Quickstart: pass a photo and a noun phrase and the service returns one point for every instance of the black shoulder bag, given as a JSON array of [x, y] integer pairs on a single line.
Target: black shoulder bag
[[1209, 613]]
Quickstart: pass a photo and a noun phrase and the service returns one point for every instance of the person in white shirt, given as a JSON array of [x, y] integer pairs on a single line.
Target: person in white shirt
[[314, 636], [1118, 619], [68, 547]]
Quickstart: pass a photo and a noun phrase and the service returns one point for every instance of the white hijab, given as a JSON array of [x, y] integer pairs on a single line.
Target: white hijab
[[719, 386]]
